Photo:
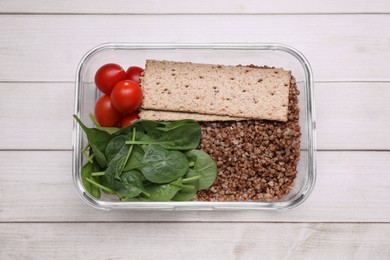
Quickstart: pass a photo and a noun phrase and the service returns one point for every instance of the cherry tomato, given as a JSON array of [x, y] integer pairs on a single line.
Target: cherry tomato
[[134, 74], [129, 119], [107, 76], [105, 113], [126, 96]]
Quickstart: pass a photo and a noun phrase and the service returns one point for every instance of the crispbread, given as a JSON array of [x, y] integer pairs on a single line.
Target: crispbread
[[216, 89], [170, 116]]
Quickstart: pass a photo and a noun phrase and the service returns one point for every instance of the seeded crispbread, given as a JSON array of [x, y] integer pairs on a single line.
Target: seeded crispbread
[[171, 116], [235, 91]]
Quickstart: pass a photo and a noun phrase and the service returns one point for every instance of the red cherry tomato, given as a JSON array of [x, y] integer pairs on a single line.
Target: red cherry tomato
[[105, 113], [134, 74], [107, 76], [126, 96], [129, 119]]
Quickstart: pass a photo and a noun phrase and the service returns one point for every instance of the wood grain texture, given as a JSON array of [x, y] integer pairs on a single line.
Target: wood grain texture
[[351, 187], [347, 115], [36, 115], [193, 7], [339, 47], [346, 217], [353, 115], [196, 241]]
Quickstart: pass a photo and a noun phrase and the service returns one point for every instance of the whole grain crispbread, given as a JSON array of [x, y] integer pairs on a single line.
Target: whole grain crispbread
[[171, 116], [234, 91]]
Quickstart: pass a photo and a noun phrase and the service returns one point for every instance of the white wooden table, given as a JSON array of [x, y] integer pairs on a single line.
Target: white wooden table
[[348, 213]]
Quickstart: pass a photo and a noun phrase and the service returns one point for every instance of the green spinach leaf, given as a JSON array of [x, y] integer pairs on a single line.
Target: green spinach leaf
[[204, 166], [161, 166], [118, 162], [191, 178], [135, 158], [142, 127], [85, 173], [98, 141], [162, 192], [114, 146], [144, 162], [185, 195], [115, 168], [132, 184], [177, 135]]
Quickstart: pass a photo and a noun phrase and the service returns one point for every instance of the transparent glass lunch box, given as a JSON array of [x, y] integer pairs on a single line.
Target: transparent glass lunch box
[[126, 55]]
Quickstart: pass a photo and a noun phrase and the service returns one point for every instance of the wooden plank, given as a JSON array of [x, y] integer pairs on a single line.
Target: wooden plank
[[193, 7], [195, 240], [349, 115], [339, 47], [353, 115], [351, 187], [36, 115]]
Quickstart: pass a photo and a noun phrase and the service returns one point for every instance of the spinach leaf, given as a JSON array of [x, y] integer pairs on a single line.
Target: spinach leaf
[[100, 186], [161, 166], [132, 184], [135, 157], [171, 125], [115, 168], [85, 173], [192, 179], [185, 195], [147, 125], [114, 146], [177, 135], [118, 162], [117, 165], [103, 182], [143, 162], [98, 141], [142, 127], [204, 166], [162, 192]]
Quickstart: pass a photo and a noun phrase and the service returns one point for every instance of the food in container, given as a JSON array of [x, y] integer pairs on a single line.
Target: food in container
[[238, 194]]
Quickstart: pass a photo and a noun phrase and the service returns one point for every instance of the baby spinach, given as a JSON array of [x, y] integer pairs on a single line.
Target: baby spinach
[[178, 135], [85, 173], [192, 179], [163, 192], [204, 166], [161, 166], [146, 161], [97, 140], [114, 146], [132, 184], [118, 162], [142, 127], [185, 195], [100, 186], [147, 125], [189, 193], [135, 157], [169, 126]]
